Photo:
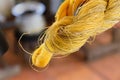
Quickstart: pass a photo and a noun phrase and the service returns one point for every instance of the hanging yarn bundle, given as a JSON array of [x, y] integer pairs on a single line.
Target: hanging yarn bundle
[[76, 21]]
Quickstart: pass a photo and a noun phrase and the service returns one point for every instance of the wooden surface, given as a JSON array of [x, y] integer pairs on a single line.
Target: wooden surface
[[72, 68]]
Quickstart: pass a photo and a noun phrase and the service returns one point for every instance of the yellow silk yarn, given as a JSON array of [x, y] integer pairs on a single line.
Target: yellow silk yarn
[[76, 21]]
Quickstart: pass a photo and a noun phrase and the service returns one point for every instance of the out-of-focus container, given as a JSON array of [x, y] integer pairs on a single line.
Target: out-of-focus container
[[29, 17]]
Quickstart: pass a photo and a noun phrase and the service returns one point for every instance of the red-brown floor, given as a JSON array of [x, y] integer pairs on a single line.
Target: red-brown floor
[[72, 68]]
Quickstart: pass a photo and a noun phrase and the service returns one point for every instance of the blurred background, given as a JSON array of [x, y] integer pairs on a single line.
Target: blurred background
[[99, 59]]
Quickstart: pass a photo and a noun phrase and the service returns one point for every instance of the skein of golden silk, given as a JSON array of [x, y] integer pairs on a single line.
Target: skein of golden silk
[[71, 31]]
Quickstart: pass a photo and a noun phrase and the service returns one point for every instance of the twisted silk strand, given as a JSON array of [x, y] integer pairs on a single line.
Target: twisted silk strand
[[71, 31]]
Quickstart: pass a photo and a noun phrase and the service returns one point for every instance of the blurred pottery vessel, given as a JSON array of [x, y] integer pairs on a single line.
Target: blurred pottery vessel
[[29, 17]]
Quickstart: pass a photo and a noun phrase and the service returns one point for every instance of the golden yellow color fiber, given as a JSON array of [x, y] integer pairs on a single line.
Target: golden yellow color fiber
[[76, 21]]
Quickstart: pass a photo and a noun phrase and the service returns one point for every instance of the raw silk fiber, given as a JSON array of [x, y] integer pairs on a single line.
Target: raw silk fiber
[[76, 21]]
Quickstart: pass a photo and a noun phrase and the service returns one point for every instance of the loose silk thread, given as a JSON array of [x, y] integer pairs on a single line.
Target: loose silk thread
[[72, 30]]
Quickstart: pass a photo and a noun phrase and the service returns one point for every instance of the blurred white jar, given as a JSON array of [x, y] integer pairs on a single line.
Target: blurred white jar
[[29, 17], [31, 23]]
